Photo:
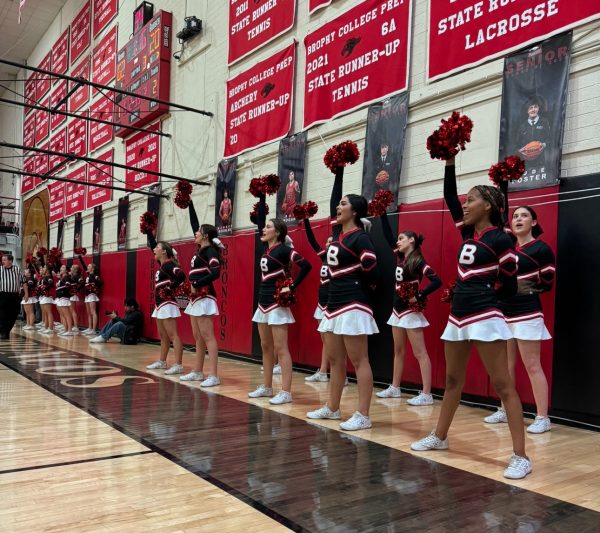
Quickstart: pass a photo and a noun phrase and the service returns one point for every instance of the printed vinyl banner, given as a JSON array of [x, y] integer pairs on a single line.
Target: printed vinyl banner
[[56, 191], [465, 33], [123, 214], [80, 32], [82, 95], [75, 192], [97, 228], [226, 175], [99, 174], [252, 24], [104, 12], [104, 59], [58, 143], [43, 83], [356, 59], [77, 231], [142, 151], [58, 93], [534, 100], [101, 134], [260, 103], [292, 158], [384, 145], [60, 54], [313, 5], [77, 137]]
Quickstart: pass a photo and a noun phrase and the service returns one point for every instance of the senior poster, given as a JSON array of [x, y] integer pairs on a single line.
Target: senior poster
[[534, 99], [123, 216], [384, 144], [226, 175], [292, 156]]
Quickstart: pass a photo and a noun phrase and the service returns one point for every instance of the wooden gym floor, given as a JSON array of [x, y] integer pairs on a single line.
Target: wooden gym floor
[[92, 441]]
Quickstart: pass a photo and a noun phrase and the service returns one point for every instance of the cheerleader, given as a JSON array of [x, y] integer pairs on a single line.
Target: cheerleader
[[92, 285], [45, 286], [63, 301], [205, 268], [76, 284], [29, 293], [486, 273], [406, 322], [273, 319], [524, 315], [167, 278], [348, 317]]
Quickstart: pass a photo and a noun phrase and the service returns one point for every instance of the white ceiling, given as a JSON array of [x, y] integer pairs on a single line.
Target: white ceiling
[[17, 41]]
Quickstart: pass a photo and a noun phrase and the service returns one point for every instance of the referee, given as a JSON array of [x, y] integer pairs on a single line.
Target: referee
[[10, 299]]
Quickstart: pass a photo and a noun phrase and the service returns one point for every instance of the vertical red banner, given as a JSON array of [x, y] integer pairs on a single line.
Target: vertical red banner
[[58, 143], [101, 134], [56, 191], [104, 12], [99, 174], [58, 93], [142, 151], [60, 54], [104, 59], [80, 32], [77, 137], [29, 130], [30, 92], [43, 83], [42, 122], [75, 192], [27, 182], [252, 25], [41, 162], [82, 95]]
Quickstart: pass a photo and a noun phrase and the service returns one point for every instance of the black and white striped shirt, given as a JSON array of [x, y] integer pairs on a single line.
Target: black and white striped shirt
[[10, 279]]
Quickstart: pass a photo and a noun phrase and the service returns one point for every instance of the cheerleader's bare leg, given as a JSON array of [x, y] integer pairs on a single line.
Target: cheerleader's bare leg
[[200, 344], [358, 352], [170, 325], [493, 355], [268, 356], [399, 335], [530, 354], [165, 342], [323, 367], [207, 334], [74, 317], [336, 355], [417, 341], [282, 352]]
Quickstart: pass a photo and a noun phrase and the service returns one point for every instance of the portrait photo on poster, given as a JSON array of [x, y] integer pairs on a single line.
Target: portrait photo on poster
[[96, 229], [225, 194], [290, 167], [123, 214]]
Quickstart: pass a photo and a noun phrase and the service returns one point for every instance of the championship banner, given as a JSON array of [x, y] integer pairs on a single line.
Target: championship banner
[[82, 95], [27, 182], [142, 151], [80, 32], [260, 103], [43, 80], [466, 33], [77, 231], [384, 146], [314, 5], [226, 176], [58, 93], [290, 167], [58, 143], [96, 229], [75, 192], [101, 134], [99, 174], [56, 191], [60, 54], [42, 122], [104, 12], [356, 59], [104, 59], [29, 130], [254, 24], [123, 216], [41, 163], [30, 92], [77, 137], [534, 101]]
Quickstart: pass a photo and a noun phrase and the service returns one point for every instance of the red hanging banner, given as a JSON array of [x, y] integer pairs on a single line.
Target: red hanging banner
[[104, 59], [29, 130], [41, 162], [99, 174], [104, 12], [466, 33], [27, 182], [58, 94], [252, 24], [80, 32], [358, 58], [56, 191], [77, 137], [101, 134], [30, 92], [314, 5], [42, 122], [142, 151], [75, 192], [260, 103], [60, 54], [82, 95], [58, 143], [43, 80]]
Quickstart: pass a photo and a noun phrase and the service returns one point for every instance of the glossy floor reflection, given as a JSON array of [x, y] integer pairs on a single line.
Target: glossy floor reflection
[[305, 476]]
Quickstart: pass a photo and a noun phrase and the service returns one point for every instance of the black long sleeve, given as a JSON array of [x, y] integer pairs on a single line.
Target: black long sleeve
[[311, 237], [303, 265], [151, 241], [387, 231], [504, 188], [336, 192], [82, 262], [193, 218], [451, 193], [262, 213], [434, 283]]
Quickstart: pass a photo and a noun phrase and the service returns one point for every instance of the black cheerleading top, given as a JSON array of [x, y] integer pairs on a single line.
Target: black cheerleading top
[[535, 274], [63, 287], [487, 265], [92, 282], [77, 283], [31, 284], [166, 279], [402, 275], [45, 286], [205, 266]]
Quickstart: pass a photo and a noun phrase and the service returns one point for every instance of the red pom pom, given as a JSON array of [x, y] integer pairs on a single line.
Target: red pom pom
[[267, 185], [451, 137], [54, 256], [380, 203], [148, 223], [165, 294], [184, 290], [341, 155], [255, 188], [511, 169], [306, 210], [299, 212], [182, 198], [448, 293], [42, 252], [254, 212], [29, 259], [80, 251], [285, 298]]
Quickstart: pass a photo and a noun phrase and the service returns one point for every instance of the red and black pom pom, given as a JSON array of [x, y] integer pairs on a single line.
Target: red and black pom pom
[[285, 298], [511, 169], [448, 293], [306, 210], [451, 137], [341, 155], [148, 223], [380, 202], [267, 185], [80, 251], [183, 196], [254, 212]]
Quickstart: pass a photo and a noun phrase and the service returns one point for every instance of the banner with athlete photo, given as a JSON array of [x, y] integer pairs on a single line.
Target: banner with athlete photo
[[226, 177], [253, 24], [153, 204], [77, 234], [96, 229], [260, 103], [534, 100], [356, 59], [290, 167], [466, 33], [384, 146], [122, 221]]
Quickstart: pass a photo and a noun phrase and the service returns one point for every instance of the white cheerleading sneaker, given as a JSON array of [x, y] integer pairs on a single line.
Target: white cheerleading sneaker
[[157, 365], [431, 442], [317, 377], [421, 399], [192, 376], [174, 369], [518, 467], [261, 392], [356, 421], [496, 418], [281, 397], [541, 424], [390, 392], [324, 413], [211, 381], [276, 370]]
